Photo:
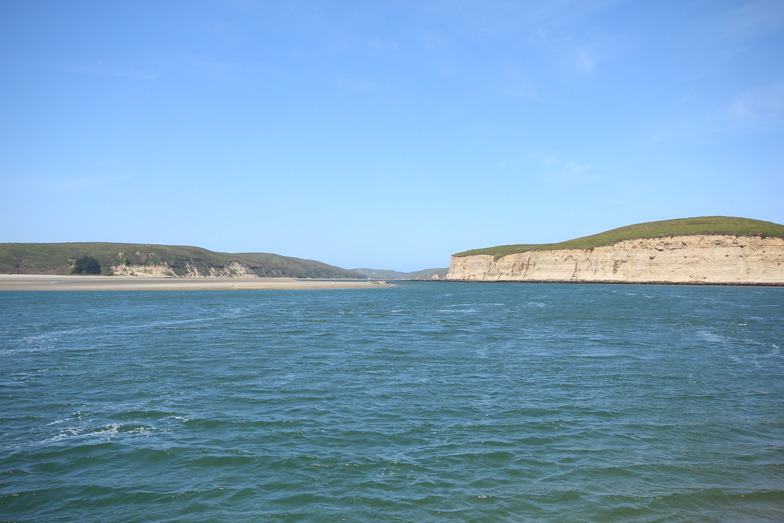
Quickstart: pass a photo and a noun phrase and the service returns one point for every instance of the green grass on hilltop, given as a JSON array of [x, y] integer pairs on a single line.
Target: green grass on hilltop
[[683, 226]]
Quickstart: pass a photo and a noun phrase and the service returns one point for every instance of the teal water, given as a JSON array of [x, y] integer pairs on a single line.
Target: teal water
[[422, 402]]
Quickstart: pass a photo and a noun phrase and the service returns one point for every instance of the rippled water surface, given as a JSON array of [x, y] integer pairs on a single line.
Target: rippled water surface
[[422, 402]]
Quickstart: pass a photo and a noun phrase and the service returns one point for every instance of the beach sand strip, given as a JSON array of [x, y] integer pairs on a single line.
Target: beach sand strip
[[39, 282]]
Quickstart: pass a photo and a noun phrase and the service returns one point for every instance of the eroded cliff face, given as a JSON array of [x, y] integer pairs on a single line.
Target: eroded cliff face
[[235, 269], [675, 259]]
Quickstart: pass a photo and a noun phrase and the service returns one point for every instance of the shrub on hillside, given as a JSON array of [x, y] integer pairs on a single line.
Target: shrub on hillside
[[86, 265]]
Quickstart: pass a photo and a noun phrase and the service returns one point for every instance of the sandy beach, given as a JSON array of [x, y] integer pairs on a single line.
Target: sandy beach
[[40, 282]]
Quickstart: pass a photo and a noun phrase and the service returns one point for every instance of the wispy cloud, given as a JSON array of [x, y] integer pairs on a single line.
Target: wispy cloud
[[219, 68], [522, 85], [362, 85], [560, 171], [762, 105], [586, 60], [227, 69], [575, 172], [100, 68]]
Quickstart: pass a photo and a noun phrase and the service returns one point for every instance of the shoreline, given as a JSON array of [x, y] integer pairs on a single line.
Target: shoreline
[[58, 282], [618, 282]]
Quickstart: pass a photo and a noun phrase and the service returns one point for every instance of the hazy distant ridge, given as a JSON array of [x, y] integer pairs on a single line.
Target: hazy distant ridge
[[159, 260], [385, 274]]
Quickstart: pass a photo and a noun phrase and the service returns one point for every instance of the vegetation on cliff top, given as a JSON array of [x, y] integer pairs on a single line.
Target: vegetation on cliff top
[[684, 226], [60, 258]]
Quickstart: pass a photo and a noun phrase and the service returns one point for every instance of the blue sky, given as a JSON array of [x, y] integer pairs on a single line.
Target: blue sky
[[384, 134]]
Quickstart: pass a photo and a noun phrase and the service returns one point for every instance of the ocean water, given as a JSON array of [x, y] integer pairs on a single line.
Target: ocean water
[[422, 402]]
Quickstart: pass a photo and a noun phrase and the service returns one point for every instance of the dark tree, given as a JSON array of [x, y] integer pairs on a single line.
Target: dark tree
[[86, 265]]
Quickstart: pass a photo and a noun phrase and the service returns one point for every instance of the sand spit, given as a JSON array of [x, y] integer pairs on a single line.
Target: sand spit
[[40, 282]]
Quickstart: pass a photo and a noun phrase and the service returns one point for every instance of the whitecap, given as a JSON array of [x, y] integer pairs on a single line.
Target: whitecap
[[713, 337]]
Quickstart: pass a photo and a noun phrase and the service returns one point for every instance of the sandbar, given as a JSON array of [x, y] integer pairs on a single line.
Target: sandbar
[[42, 282]]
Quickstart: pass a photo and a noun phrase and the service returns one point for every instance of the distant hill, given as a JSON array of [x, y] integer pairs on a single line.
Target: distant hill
[[683, 226], [383, 274], [161, 260]]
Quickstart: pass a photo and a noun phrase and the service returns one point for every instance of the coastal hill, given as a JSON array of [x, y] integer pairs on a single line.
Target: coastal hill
[[713, 249], [130, 259]]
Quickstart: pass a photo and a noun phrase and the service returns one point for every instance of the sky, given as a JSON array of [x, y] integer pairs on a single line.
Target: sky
[[384, 134]]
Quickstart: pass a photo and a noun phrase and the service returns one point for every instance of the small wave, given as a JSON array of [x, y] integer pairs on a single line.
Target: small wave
[[133, 414], [713, 337], [95, 435]]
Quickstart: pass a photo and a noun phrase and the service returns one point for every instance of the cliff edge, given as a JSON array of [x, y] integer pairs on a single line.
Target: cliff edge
[[733, 259]]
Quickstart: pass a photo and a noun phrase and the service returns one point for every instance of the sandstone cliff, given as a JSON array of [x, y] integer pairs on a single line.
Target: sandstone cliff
[[164, 270], [719, 259]]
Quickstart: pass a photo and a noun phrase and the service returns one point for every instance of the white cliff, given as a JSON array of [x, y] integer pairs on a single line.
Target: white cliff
[[719, 259], [164, 270]]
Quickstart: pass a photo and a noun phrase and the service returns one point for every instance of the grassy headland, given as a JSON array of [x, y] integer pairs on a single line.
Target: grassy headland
[[58, 258], [684, 226]]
